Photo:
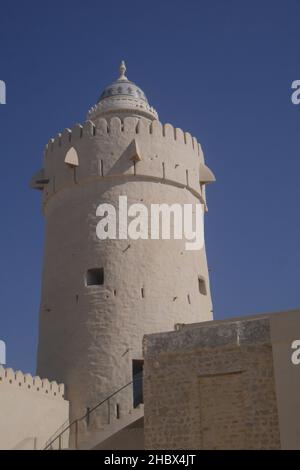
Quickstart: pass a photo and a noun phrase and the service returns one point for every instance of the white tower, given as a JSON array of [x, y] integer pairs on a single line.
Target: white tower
[[100, 297]]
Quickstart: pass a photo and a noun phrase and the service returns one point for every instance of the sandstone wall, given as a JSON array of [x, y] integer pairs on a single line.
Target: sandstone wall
[[31, 410], [211, 386]]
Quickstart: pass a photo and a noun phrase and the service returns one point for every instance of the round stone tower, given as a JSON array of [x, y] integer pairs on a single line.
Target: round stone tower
[[100, 297]]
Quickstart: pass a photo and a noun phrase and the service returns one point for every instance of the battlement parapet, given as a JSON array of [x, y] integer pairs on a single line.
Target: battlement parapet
[[102, 150], [30, 383]]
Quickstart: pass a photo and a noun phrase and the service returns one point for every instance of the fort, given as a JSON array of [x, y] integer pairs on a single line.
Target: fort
[[103, 295], [129, 355]]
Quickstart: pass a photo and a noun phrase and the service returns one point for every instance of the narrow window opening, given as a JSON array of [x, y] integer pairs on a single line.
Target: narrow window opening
[[95, 277], [189, 299], [137, 382], [115, 292], [117, 411], [202, 286], [143, 292]]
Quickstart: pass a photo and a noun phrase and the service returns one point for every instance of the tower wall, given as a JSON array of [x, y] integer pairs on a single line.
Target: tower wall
[[89, 335]]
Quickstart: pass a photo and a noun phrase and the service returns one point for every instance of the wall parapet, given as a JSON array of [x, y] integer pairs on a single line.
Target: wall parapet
[[168, 155], [115, 125], [31, 383]]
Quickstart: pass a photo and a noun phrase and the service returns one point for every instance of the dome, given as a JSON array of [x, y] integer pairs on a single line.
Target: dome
[[122, 97]]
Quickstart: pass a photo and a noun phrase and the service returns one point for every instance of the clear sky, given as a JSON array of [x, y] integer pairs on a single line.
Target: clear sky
[[221, 70]]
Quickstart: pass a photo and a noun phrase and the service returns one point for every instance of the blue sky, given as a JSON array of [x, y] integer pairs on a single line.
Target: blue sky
[[221, 70]]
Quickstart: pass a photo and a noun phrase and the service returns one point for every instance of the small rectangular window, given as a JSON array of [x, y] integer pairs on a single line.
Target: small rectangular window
[[202, 286], [95, 277], [117, 411]]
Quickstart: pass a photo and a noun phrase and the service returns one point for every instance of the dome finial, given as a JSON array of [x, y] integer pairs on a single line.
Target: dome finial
[[122, 71]]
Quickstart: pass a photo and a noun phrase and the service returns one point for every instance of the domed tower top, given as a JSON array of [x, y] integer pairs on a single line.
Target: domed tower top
[[122, 98]]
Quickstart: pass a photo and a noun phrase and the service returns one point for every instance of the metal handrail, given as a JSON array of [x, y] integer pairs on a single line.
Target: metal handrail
[[87, 415]]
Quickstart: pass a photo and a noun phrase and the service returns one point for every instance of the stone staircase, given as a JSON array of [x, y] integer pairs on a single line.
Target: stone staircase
[[127, 432], [122, 431]]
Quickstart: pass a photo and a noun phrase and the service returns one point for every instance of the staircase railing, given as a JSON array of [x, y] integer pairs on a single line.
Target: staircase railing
[[57, 441]]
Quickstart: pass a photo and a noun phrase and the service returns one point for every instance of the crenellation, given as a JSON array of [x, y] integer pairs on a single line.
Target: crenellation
[[115, 127], [10, 375], [169, 132], [50, 145], [106, 141], [57, 141], [102, 127], [89, 128], [188, 139], [200, 152], [66, 137], [179, 136], [28, 379], [46, 385], [76, 132], [143, 128], [37, 382], [156, 129], [18, 379], [130, 124], [54, 388]]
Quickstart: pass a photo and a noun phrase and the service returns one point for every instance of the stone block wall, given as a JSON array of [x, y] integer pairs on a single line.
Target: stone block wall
[[211, 386]]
